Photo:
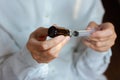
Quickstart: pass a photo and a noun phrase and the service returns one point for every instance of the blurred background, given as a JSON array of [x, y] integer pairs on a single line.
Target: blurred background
[[112, 14]]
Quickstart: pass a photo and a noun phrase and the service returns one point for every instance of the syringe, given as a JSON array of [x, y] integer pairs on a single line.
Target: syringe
[[81, 33], [56, 31]]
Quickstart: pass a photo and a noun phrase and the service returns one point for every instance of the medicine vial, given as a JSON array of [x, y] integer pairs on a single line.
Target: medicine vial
[[56, 31]]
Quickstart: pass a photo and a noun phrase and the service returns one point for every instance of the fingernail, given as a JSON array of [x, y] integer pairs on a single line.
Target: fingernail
[[67, 38], [61, 36]]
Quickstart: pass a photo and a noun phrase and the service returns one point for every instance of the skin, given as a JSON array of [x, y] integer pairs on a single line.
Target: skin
[[103, 38], [44, 51]]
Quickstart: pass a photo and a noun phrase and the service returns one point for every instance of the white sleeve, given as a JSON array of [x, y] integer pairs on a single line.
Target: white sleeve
[[96, 12], [92, 64], [18, 65]]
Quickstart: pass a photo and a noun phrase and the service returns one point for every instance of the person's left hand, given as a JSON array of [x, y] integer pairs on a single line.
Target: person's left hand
[[103, 38]]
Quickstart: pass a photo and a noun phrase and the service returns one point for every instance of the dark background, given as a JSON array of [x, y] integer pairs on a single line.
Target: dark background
[[112, 14]]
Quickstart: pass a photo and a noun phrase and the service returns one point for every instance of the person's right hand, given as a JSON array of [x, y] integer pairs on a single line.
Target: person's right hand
[[42, 50]]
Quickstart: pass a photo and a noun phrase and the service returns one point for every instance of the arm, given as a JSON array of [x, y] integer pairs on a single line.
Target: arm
[[92, 64], [30, 63], [18, 64], [95, 56]]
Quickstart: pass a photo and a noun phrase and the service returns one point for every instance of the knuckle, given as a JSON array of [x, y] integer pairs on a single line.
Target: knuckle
[[31, 35], [43, 46], [35, 57], [98, 44], [115, 35], [30, 41], [100, 39], [110, 24], [54, 56], [50, 53], [111, 32], [39, 61], [99, 36], [112, 43]]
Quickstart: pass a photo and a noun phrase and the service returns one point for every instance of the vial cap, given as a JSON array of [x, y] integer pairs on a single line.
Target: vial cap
[[52, 31], [75, 33]]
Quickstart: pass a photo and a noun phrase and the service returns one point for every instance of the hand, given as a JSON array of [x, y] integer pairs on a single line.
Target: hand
[[42, 50], [103, 38]]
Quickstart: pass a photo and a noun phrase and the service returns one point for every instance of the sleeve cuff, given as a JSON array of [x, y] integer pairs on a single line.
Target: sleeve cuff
[[28, 59], [92, 54]]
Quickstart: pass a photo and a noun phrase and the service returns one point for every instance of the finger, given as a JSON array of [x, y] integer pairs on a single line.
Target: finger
[[102, 44], [100, 39], [105, 30], [44, 45], [100, 49], [87, 43], [51, 43], [54, 51], [50, 54], [92, 25], [35, 55], [99, 43]]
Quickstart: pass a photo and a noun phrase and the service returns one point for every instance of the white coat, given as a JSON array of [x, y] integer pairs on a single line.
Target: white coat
[[18, 18]]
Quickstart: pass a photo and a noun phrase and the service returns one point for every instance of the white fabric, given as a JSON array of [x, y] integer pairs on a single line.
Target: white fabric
[[18, 18]]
